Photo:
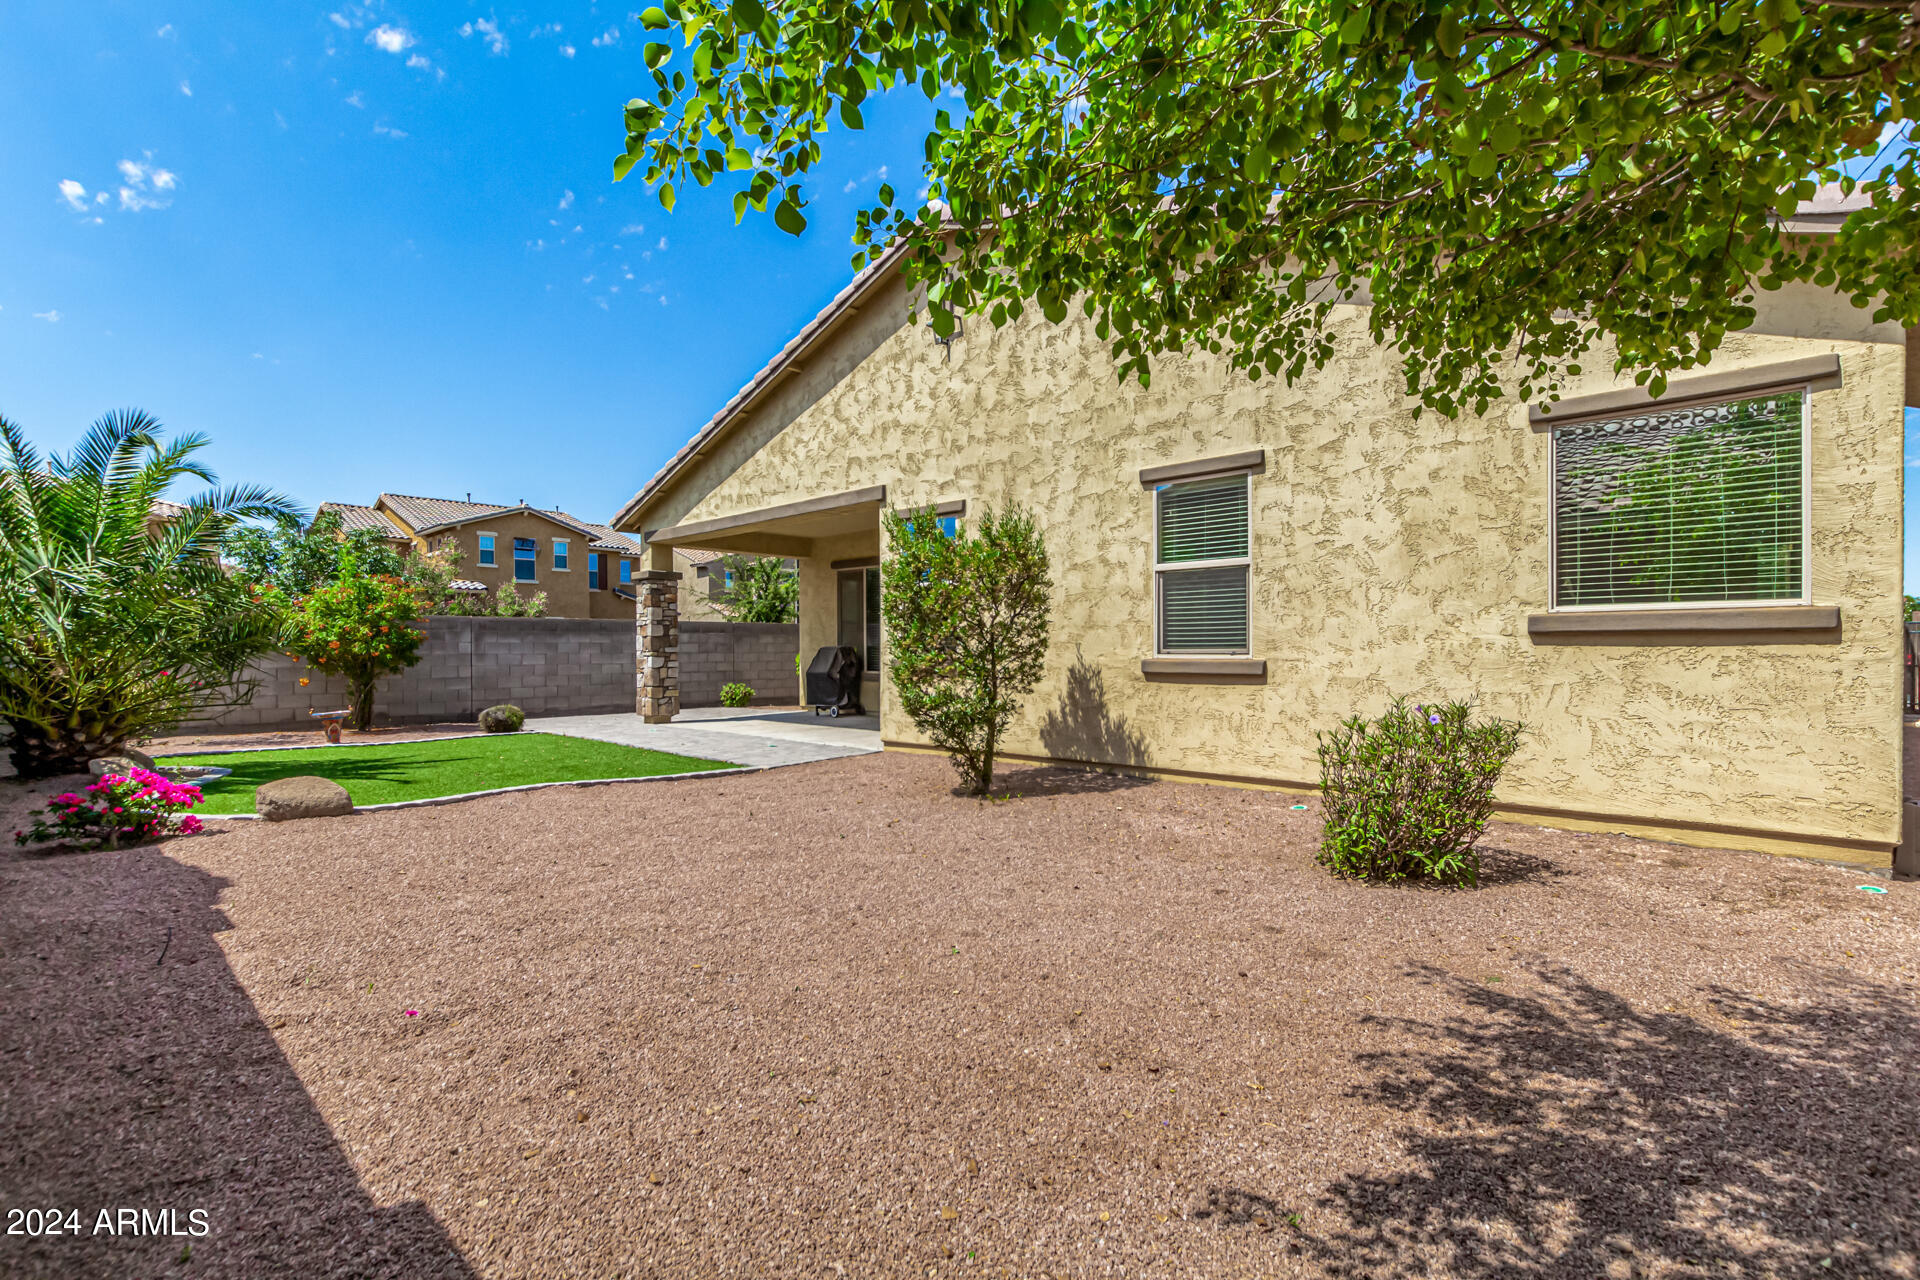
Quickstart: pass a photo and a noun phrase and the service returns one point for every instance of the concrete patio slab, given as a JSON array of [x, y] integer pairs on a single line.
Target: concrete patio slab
[[761, 737]]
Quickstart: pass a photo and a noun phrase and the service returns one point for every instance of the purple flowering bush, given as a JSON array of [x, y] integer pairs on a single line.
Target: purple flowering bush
[[1407, 796], [118, 809]]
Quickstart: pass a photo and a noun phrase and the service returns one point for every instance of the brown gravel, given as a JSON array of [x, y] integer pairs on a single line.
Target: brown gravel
[[831, 1020]]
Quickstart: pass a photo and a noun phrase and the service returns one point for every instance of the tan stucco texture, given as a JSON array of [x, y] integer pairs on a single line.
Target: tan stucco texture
[[1391, 555]]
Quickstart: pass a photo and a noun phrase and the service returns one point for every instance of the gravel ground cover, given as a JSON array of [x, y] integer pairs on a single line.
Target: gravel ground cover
[[422, 770], [831, 1020]]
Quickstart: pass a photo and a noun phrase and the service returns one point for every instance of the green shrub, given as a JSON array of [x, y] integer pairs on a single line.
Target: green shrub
[[1408, 795], [505, 718], [968, 621], [736, 694]]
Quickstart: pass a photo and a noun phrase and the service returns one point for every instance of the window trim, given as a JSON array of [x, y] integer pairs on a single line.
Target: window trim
[[485, 557], [561, 555], [1805, 391], [533, 559], [1159, 568], [594, 571]]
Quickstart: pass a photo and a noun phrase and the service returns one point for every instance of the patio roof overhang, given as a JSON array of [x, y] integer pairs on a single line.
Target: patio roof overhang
[[789, 529]]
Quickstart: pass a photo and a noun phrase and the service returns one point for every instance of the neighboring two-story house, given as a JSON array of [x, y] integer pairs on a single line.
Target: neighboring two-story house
[[585, 569]]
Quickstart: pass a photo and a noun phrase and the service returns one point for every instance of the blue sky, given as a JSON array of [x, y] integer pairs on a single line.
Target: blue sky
[[375, 246], [383, 249]]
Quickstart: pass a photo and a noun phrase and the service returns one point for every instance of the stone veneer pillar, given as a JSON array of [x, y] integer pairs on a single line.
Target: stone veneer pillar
[[656, 645]]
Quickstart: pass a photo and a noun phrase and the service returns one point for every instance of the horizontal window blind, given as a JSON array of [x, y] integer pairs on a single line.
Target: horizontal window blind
[[1204, 610], [1699, 504], [1204, 520]]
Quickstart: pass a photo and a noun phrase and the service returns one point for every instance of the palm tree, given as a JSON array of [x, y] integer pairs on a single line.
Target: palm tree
[[113, 625]]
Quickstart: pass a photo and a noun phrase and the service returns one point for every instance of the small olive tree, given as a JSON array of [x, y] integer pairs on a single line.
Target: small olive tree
[[967, 623]]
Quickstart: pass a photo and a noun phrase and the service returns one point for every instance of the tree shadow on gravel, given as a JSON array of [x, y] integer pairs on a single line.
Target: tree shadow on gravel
[[1511, 866], [1565, 1132], [139, 1075]]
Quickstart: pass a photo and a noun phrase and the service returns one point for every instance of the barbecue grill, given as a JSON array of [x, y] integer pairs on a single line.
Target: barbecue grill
[[833, 681]]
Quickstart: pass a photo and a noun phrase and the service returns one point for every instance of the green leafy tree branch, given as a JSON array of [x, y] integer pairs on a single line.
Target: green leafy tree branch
[[1501, 179]]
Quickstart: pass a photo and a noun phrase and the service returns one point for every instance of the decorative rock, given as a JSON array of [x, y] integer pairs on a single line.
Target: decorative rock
[[120, 762], [505, 718], [302, 797]]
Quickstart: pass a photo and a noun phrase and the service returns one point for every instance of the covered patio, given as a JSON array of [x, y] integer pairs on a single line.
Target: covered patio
[[835, 542]]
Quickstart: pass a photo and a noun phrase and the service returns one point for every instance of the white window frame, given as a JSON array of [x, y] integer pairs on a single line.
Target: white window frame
[[534, 560], [562, 556], [1659, 406], [1160, 568], [480, 550]]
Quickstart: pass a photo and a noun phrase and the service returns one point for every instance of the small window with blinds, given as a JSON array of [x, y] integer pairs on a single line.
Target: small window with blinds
[[1201, 565], [1701, 504]]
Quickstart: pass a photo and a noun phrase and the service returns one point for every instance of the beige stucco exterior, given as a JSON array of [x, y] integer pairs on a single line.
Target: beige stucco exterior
[[1390, 555]]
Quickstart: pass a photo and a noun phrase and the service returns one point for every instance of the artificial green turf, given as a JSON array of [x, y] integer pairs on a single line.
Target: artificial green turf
[[420, 770]]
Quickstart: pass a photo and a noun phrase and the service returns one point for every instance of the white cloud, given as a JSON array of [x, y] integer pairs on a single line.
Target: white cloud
[[74, 194], [420, 62], [186, 88], [388, 131], [567, 51], [550, 29], [662, 246], [634, 229], [145, 185], [870, 175], [391, 39], [487, 29], [279, 120], [100, 197], [257, 356], [340, 20], [566, 200], [166, 30], [607, 38], [587, 279], [51, 317], [355, 100]]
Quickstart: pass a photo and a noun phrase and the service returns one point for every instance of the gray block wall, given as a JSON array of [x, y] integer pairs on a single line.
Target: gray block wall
[[759, 654], [544, 666]]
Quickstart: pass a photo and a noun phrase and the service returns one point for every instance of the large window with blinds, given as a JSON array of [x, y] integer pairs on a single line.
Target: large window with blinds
[[1700, 504], [1200, 566]]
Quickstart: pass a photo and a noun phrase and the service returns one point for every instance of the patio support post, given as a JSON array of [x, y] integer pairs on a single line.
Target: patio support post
[[657, 645]]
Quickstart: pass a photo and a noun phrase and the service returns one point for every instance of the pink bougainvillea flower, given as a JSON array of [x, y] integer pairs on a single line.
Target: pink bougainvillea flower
[[413, 1013]]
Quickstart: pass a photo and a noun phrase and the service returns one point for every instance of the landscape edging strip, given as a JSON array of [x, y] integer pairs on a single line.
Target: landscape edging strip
[[501, 791]]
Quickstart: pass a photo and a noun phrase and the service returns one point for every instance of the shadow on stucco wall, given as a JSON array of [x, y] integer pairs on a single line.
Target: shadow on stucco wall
[[1082, 728]]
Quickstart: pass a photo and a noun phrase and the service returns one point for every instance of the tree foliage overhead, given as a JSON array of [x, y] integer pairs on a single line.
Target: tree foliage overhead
[[1497, 176]]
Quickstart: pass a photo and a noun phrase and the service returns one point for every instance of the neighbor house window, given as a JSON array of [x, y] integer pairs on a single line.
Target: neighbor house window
[[626, 573], [486, 549], [524, 551], [1702, 504], [596, 572], [560, 553], [1201, 566]]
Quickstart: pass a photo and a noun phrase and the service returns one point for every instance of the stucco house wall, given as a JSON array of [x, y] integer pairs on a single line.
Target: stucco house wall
[[1390, 555]]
